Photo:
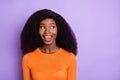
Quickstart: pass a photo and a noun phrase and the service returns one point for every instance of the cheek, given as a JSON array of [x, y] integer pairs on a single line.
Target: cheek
[[40, 32], [55, 33]]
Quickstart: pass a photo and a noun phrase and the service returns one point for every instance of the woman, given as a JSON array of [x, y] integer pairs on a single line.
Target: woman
[[49, 46]]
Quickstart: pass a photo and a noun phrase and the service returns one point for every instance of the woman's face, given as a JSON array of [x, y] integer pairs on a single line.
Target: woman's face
[[48, 31]]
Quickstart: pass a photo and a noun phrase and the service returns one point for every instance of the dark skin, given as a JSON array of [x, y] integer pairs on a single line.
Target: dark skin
[[48, 33]]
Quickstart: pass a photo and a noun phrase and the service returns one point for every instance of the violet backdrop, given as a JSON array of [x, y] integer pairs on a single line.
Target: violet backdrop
[[96, 24]]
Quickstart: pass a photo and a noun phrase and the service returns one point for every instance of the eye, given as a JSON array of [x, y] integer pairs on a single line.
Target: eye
[[52, 27], [42, 27]]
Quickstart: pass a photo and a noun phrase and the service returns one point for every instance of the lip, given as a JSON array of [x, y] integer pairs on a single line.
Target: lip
[[47, 38]]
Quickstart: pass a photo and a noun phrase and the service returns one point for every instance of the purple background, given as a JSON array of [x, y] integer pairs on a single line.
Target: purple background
[[96, 24]]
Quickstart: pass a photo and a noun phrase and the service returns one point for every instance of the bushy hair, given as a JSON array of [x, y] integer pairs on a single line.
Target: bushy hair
[[30, 38]]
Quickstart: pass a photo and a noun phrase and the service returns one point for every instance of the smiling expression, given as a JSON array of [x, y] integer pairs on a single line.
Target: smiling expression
[[48, 31]]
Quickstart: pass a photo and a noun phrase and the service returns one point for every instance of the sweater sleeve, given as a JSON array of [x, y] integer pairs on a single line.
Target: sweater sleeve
[[72, 68], [25, 68]]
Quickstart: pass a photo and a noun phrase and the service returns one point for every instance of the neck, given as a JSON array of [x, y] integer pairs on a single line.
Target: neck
[[49, 48]]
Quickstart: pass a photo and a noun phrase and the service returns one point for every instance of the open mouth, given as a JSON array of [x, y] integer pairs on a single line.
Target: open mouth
[[47, 38]]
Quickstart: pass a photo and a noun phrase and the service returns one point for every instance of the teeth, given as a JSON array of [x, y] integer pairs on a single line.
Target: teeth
[[47, 36]]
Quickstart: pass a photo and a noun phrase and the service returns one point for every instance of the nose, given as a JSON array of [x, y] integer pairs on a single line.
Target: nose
[[47, 30]]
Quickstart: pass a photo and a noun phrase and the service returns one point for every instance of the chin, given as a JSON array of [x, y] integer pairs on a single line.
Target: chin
[[48, 43]]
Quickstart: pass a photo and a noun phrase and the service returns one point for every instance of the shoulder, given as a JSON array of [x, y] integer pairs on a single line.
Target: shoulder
[[29, 54], [68, 57], [68, 54], [28, 58]]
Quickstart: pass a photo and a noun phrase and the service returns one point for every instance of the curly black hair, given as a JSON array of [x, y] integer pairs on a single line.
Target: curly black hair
[[30, 38]]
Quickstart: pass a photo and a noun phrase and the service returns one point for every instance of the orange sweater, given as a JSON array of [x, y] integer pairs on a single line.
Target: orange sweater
[[37, 65]]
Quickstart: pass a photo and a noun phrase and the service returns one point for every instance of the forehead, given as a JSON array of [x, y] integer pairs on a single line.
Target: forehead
[[47, 21]]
